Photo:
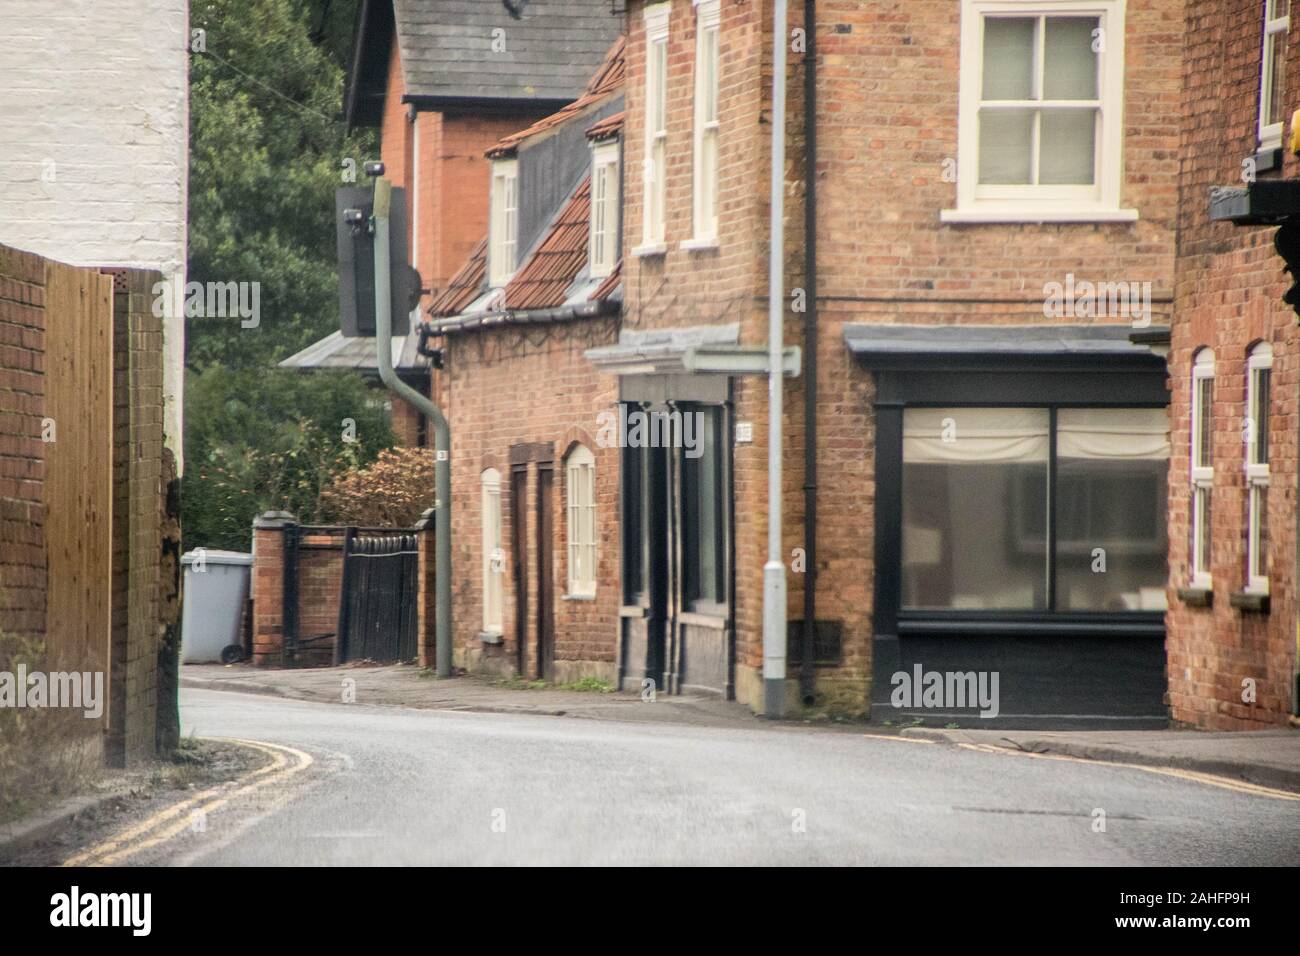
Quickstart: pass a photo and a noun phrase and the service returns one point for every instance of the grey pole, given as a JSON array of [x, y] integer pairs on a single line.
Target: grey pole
[[441, 430], [774, 585]]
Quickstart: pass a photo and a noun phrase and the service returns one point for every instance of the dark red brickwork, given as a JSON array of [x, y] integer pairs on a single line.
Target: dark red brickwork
[[1228, 298]]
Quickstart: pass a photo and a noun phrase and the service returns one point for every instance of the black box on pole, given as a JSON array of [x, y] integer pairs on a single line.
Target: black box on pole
[[356, 262]]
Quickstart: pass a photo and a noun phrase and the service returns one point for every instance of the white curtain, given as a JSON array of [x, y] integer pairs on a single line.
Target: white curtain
[[1124, 434], [974, 435]]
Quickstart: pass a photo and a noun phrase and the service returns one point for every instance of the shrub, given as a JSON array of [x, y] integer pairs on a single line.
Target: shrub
[[393, 491]]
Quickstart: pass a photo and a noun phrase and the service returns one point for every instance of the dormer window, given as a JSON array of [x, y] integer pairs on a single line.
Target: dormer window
[[504, 224], [603, 246]]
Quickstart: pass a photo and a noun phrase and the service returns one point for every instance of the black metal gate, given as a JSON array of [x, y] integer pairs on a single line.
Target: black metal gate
[[377, 607]]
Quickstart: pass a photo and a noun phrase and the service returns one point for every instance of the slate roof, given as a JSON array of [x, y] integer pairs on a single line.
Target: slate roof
[[447, 51], [607, 81], [335, 351]]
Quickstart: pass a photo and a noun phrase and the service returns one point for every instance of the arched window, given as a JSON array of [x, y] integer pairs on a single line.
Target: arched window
[[580, 486], [1202, 475], [1259, 374], [493, 556]]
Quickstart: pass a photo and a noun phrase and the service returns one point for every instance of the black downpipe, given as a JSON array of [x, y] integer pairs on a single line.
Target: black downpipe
[[806, 682]]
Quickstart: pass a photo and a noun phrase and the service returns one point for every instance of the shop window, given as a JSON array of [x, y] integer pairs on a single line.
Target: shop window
[[1034, 509]]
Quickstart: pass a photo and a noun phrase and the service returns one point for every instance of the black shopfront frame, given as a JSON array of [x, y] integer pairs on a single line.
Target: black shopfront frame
[[1067, 669]]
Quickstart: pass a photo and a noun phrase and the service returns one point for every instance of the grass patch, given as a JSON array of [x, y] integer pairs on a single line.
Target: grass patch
[[521, 683], [592, 685]]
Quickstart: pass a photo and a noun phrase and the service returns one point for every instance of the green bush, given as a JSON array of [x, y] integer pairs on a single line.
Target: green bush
[[258, 440]]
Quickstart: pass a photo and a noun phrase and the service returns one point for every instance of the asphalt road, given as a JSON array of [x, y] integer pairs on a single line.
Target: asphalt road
[[397, 786]]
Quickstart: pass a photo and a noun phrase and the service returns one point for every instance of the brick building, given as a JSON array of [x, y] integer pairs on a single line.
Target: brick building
[[536, 513], [442, 83], [1233, 375], [989, 436]]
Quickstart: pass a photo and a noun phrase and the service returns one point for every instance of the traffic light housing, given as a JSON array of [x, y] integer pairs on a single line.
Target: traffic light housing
[[353, 211]]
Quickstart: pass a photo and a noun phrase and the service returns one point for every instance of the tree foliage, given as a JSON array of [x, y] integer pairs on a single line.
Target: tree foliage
[[259, 440], [267, 151], [267, 146]]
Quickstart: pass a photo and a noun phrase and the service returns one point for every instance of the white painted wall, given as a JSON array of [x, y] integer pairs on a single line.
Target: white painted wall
[[94, 140]]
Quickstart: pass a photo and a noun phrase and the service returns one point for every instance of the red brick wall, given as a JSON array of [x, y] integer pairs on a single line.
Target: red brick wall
[[1228, 297], [554, 397], [22, 456], [267, 589], [320, 570], [887, 120]]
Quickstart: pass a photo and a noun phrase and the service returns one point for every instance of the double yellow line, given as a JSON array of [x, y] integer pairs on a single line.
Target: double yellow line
[[286, 762], [1226, 783]]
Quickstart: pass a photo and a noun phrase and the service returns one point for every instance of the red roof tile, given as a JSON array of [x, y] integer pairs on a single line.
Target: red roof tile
[[606, 81], [606, 127], [464, 286], [542, 281]]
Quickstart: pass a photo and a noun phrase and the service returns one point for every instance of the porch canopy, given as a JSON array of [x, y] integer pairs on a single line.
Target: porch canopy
[[989, 346]]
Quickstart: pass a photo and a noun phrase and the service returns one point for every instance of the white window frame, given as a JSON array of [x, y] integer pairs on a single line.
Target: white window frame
[[1259, 361], [704, 204], [603, 232], [580, 507], [493, 583], [1202, 475], [503, 247], [1270, 134], [654, 213], [1099, 202]]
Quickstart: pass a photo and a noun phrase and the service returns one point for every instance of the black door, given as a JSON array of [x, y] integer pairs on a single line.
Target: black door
[[545, 577]]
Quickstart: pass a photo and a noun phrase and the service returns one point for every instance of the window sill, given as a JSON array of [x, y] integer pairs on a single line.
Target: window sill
[[579, 596], [699, 244], [1268, 158], [1256, 601], [1198, 596], [632, 611], [650, 249], [490, 637], [1009, 213]]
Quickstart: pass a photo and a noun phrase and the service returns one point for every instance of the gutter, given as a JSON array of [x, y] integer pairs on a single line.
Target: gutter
[[562, 313], [807, 680]]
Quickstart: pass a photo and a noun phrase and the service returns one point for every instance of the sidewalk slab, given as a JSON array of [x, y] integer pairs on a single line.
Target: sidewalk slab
[[1269, 758], [408, 686]]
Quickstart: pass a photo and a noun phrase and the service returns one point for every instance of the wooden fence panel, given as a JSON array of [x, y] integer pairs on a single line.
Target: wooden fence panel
[[79, 465]]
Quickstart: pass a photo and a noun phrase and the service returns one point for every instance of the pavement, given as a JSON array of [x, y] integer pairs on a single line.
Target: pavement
[[407, 786], [405, 685], [1269, 758]]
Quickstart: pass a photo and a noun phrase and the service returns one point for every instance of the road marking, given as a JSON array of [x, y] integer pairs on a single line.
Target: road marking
[[158, 828], [1196, 776], [905, 740]]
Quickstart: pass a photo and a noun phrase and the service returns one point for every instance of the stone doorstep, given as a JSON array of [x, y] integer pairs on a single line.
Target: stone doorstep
[[1266, 775]]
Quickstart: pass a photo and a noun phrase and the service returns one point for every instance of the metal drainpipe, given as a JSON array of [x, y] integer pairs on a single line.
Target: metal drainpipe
[[441, 430], [774, 584], [806, 680]]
